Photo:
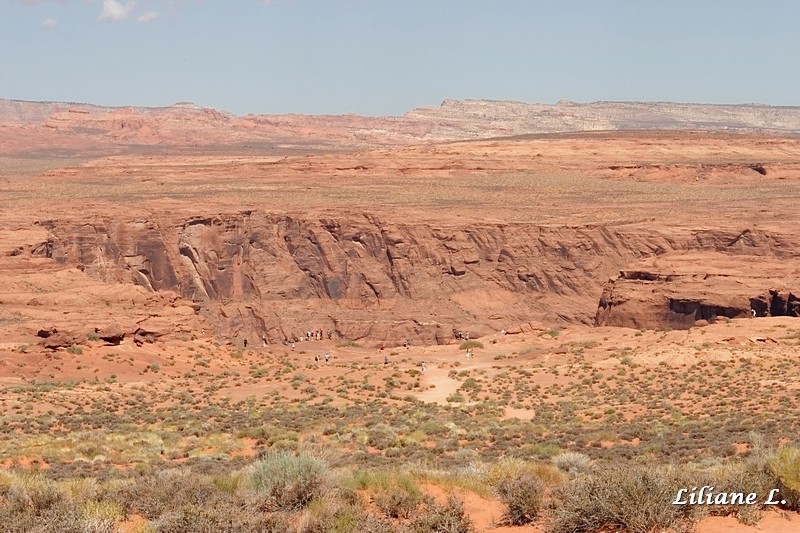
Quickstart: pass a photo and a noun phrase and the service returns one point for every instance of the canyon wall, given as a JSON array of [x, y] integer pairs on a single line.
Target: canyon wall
[[275, 276]]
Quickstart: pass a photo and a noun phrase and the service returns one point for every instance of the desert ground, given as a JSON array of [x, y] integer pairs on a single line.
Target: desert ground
[[508, 320]]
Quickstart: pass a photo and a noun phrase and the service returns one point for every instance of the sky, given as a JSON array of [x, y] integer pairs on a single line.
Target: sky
[[380, 57]]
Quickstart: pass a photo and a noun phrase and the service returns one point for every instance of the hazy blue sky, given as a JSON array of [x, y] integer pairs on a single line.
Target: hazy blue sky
[[381, 57]]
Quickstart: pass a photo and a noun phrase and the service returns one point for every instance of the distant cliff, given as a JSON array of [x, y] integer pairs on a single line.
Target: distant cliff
[[35, 127]]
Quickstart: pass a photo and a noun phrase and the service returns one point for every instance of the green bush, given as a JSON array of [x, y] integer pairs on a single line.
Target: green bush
[[523, 497], [785, 466], [287, 481], [396, 494], [466, 345]]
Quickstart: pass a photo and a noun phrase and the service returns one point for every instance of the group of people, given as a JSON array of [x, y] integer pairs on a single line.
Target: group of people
[[317, 335], [327, 358]]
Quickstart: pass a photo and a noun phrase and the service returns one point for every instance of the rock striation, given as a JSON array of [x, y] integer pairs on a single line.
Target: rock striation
[[260, 275]]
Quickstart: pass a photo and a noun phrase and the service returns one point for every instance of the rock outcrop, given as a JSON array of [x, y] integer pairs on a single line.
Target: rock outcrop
[[679, 290]]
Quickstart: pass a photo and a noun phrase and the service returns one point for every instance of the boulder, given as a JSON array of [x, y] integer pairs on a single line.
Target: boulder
[[60, 339], [112, 334]]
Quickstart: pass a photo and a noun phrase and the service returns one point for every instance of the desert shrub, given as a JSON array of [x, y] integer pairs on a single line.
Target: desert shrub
[[553, 332], [102, 514], [60, 518], [80, 489], [400, 498], [466, 345], [632, 498], [226, 482], [785, 466], [744, 477], [382, 437], [465, 455], [164, 492], [220, 517], [572, 463], [523, 497], [512, 467], [348, 343], [31, 492], [374, 524], [29, 502], [331, 514], [447, 518], [287, 481]]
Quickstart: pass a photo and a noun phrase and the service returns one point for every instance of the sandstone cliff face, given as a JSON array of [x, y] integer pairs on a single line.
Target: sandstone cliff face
[[276, 276], [676, 290]]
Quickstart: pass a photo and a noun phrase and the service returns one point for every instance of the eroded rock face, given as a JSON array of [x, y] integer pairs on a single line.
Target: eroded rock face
[[275, 276], [680, 290]]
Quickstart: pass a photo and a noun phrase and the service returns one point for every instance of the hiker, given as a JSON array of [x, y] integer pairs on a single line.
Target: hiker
[[330, 334], [263, 341], [424, 366], [316, 360], [292, 346], [327, 357], [385, 360], [245, 343]]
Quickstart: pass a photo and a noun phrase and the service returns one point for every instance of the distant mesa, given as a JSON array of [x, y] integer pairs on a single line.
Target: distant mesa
[[85, 129]]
